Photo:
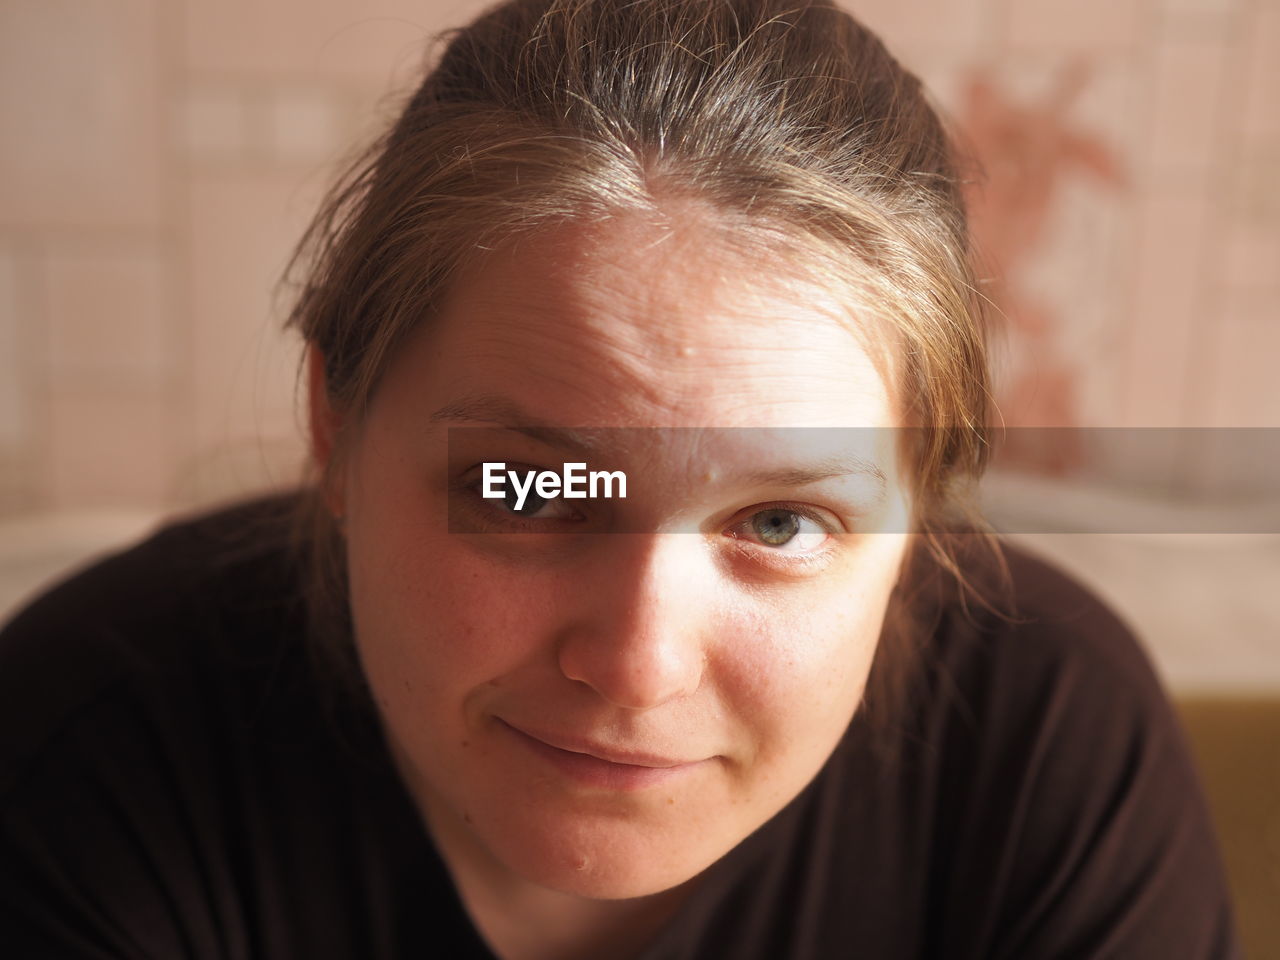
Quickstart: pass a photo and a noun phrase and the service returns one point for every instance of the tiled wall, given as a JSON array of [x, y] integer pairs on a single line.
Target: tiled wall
[[161, 156]]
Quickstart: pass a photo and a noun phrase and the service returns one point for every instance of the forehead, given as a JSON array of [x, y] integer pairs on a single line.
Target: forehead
[[652, 322]]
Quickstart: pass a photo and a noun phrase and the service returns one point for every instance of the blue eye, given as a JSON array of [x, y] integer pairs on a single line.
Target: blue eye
[[775, 527], [783, 530]]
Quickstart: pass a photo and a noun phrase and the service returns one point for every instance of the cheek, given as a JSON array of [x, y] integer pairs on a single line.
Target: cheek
[[433, 613], [797, 677], [796, 665]]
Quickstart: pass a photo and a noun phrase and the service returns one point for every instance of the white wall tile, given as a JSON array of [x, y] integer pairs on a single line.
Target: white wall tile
[[1168, 285], [1252, 188], [1240, 351], [374, 42], [110, 314], [1184, 133], [954, 25], [1250, 259], [242, 371], [1259, 115], [13, 408], [111, 446], [79, 116], [1200, 8], [1062, 25], [213, 124], [304, 126]]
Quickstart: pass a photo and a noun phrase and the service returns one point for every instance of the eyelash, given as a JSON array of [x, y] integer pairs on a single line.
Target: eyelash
[[795, 561], [495, 516]]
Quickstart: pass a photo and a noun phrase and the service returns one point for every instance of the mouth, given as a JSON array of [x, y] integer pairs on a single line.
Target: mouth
[[596, 765]]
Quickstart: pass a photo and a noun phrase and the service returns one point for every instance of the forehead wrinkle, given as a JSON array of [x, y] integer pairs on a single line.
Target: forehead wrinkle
[[594, 336], [648, 276], [591, 358], [613, 312], [630, 280]]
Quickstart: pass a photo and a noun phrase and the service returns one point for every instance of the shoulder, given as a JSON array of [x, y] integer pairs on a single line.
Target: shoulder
[[150, 615], [1044, 688], [1034, 637], [1072, 819], [167, 767], [189, 553]]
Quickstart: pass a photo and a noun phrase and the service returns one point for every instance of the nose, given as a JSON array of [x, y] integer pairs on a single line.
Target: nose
[[640, 639]]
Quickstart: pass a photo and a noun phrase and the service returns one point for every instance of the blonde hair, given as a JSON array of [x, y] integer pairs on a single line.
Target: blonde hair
[[787, 117]]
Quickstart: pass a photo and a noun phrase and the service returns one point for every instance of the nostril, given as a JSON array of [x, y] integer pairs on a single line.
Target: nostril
[[635, 673]]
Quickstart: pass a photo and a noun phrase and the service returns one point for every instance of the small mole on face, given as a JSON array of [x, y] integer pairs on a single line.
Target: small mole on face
[[466, 743]]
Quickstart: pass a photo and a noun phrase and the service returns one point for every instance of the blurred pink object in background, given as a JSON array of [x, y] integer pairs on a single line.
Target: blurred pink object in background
[[1026, 151]]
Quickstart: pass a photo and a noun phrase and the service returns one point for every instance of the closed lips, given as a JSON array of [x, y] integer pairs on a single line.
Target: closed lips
[[629, 758]]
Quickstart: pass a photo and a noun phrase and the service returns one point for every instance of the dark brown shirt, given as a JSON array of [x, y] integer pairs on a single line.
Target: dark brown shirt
[[172, 786]]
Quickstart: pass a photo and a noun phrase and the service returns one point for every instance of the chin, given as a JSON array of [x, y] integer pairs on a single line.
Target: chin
[[615, 861]]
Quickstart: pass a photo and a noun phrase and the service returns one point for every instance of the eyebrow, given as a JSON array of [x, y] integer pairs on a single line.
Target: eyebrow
[[828, 468], [505, 413]]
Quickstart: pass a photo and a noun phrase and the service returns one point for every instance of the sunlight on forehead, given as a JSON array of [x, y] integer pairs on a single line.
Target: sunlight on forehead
[[628, 324]]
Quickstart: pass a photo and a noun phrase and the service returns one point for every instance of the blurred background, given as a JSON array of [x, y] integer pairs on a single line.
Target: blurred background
[[160, 158]]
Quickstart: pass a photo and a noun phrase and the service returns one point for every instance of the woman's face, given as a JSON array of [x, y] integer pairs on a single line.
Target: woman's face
[[604, 697]]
